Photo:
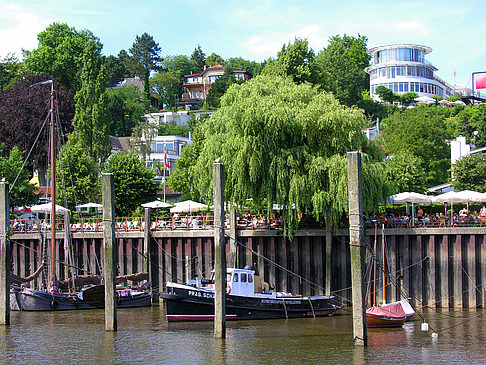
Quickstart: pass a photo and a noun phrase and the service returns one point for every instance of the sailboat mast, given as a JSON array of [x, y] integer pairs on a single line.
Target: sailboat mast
[[53, 188], [383, 260]]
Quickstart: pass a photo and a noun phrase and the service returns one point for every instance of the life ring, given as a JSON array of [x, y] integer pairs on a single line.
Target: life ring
[[228, 289], [54, 304]]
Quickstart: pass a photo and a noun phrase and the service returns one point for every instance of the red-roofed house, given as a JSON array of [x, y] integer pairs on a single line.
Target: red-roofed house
[[196, 86]]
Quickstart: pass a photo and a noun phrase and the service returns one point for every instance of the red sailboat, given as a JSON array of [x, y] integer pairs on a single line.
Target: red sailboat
[[388, 315]]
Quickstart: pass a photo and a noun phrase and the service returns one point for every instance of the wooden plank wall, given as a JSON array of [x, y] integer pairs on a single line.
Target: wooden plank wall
[[443, 269]]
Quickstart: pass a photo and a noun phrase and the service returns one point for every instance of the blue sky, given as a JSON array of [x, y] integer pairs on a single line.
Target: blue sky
[[256, 30]]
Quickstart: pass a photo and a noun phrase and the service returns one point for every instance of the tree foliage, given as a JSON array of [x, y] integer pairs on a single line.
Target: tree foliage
[[294, 60], [24, 110], [133, 182], [420, 131], [116, 68], [10, 71], [61, 53], [145, 57], [11, 169], [286, 144], [166, 87], [472, 124], [77, 175], [126, 109], [404, 172], [199, 58], [238, 63], [92, 118], [213, 59], [470, 173], [219, 87], [340, 68]]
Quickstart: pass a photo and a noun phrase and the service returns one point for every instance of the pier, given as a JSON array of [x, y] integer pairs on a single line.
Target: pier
[[435, 267]]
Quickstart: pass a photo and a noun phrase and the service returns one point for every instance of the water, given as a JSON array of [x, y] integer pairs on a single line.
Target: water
[[144, 336]]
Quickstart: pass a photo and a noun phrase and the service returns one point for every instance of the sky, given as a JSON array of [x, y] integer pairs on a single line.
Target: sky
[[256, 30]]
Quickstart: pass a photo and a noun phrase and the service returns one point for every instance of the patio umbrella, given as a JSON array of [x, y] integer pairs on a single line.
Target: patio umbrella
[[156, 204], [188, 206], [46, 208], [410, 197], [90, 205], [465, 196]]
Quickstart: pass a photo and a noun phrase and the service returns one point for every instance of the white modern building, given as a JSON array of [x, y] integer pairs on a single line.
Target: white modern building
[[403, 68]]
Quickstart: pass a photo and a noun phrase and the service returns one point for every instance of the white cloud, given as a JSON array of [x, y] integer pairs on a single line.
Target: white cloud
[[19, 27]]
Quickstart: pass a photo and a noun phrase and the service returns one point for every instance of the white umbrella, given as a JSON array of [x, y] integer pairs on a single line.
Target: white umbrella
[[411, 197], [188, 206], [465, 196], [46, 208], [89, 205], [156, 204], [424, 99]]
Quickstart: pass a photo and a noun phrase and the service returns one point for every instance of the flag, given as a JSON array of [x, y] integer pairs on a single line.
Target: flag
[[454, 73], [480, 81], [166, 163]]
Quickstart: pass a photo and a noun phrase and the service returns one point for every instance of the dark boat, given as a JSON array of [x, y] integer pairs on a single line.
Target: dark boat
[[126, 297], [26, 299], [245, 299]]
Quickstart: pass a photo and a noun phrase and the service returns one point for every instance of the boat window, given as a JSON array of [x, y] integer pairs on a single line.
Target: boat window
[[250, 278], [235, 277], [243, 278], [228, 277]]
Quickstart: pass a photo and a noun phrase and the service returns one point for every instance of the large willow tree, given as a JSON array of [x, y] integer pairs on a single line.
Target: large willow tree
[[286, 144]]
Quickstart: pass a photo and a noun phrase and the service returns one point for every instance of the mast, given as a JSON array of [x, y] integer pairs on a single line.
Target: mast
[[383, 260], [374, 270], [53, 189]]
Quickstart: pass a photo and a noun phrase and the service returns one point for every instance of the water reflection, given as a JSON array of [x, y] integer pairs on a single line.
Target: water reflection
[[145, 336]]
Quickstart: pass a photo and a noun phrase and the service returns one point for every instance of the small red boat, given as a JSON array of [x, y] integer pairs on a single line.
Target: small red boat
[[391, 315]]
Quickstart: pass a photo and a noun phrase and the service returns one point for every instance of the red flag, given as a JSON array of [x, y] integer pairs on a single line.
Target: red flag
[[166, 163], [481, 81], [454, 73]]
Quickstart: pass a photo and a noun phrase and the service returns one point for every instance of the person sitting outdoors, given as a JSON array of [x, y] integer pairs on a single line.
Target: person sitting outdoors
[[482, 212]]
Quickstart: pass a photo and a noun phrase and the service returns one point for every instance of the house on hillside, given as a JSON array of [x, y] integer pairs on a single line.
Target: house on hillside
[[197, 86]]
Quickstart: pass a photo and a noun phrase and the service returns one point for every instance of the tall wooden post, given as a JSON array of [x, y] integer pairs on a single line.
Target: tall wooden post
[[4, 256], [109, 259], [219, 253], [146, 240], [233, 238], [328, 257], [67, 243], [357, 249]]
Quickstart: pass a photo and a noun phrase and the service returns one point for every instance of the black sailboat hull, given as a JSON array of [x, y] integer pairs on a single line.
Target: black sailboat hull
[[198, 305]]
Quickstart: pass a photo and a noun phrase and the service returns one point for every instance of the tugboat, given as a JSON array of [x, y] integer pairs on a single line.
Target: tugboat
[[246, 298]]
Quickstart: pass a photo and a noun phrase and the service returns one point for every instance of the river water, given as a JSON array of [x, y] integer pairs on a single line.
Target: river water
[[144, 336]]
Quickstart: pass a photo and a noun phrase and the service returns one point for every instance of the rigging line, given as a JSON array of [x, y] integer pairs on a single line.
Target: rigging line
[[30, 151], [48, 257]]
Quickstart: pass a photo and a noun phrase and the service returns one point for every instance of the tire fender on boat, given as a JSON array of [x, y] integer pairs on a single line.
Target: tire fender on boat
[[228, 289], [54, 304]]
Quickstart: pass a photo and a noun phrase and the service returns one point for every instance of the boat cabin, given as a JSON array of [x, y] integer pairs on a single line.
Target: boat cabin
[[240, 282]]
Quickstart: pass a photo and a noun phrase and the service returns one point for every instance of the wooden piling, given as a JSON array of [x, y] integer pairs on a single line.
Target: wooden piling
[[431, 275], [471, 269], [4, 256], [219, 253], [146, 240], [357, 249], [109, 259], [444, 272], [233, 238], [327, 253], [457, 273]]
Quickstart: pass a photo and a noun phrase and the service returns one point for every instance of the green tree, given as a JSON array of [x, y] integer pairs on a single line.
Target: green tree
[[145, 58], [213, 59], [133, 182], [172, 129], [141, 139], [126, 108], [386, 95], [472, 124], [219, 87], [116, 70], [404, 172], [92, 118], [167, 88], [238, 63], [61, 53], [77, 175], [199, 58], [340, 68], [294, 60], [408, 98], [422, 132], [21, 192], [286, 144], [10, 71], [470, 173]]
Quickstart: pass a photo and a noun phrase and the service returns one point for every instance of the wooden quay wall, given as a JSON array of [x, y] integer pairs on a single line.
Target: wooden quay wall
[[436, 267]]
